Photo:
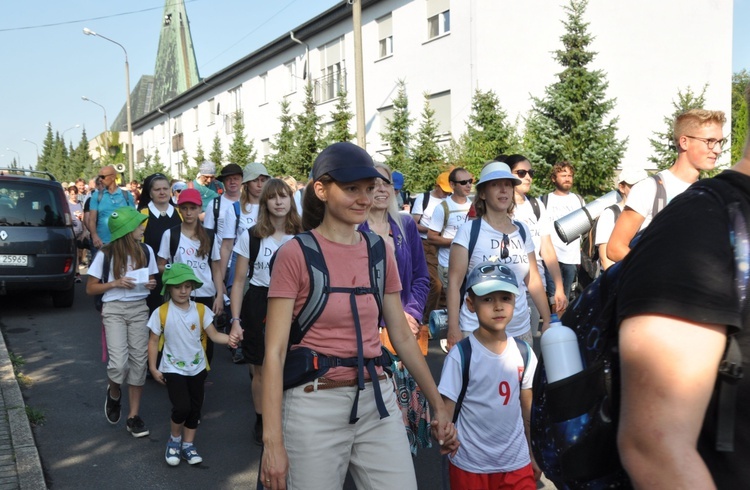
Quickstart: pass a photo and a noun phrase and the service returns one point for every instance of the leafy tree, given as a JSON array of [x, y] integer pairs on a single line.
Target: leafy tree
[[282, 160], [216, 154], [306, 137], [242, 150], [427, 158], [665, 152], [341, 116], [740, 83], [488, 132], [570, 122], [397, 131]]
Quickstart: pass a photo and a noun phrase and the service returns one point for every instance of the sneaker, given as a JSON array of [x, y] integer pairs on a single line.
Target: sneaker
[[237, 356], [258, 433], [173, 452], [137, 427], [190, 455], [112, 408], [78, 277]]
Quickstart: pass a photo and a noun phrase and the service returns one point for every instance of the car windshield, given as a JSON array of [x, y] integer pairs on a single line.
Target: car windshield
[[29, 204]]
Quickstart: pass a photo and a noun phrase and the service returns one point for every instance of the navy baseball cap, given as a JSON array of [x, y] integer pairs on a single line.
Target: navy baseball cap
[[345, 162], [488, 277]]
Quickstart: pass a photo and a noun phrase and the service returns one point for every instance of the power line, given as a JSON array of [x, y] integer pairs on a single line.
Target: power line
[[67, 22]]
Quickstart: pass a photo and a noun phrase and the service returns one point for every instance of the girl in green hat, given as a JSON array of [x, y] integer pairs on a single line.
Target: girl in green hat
[[114, 274], [179, 327]]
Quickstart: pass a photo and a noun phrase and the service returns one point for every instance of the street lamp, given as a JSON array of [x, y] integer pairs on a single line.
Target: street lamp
[[37, 147], [89, 32], [62, 135], [106, 134], [19, 155]]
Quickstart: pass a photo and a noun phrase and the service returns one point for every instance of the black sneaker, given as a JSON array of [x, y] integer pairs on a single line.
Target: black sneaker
[[137, 427], [258, 432], [237, 356], [112, 408]]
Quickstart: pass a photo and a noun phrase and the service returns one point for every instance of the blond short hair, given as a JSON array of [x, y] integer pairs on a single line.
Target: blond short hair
[[689, 121]]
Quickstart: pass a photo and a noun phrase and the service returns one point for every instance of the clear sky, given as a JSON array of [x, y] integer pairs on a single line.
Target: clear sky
[[48, 63]]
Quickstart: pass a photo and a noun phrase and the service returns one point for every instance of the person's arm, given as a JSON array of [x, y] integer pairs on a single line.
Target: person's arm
[[275, 462], [458, 266], [95, 240], [536, 289], [603, 259], [217, 278], [153, 353], [227, 244], [408, 351], [420, 282], [235, 297], [549, 256], [450, 408], [94, 287], [161, 263], [669, 369], [526, 398], [220, 337], [434, 238], [626, 226]]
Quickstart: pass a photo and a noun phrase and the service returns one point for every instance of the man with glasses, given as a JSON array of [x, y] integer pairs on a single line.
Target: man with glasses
[[699, 139], [448, 217], [103, 201]]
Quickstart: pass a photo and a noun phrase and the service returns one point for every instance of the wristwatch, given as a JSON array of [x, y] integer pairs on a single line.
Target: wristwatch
[[231, 320]]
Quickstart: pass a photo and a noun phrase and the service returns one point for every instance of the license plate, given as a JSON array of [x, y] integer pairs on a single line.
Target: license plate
[[14, 260]]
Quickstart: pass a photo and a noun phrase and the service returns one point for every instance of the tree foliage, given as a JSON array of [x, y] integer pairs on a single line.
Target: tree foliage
[[282, 160], [427, 159], [397, 133], [662, 143], [152, 165], [571, 123], [306, 137], [65, 162], [242, 150], [740, 83], [216, 155]]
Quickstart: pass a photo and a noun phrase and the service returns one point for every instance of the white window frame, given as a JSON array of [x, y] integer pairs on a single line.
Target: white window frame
[[264, 88], [291, 73], [196, 120], [440, 102], [332, 76], [438, 18], [211, 111], [385, 36]]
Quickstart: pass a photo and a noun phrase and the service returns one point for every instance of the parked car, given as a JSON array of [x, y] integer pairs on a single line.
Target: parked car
[[37, 243]]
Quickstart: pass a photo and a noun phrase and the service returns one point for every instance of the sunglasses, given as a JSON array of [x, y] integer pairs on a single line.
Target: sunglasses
[[489, 268], [102, 176], [463, 182], [177, 191], [504, 252], [522, 173]]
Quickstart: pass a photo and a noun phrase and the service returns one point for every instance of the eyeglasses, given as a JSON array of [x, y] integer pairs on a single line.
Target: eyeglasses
[[710, 142], [504, 252], [522, 173], [489, 268], [463, 182], [102, 176], [177, 191]]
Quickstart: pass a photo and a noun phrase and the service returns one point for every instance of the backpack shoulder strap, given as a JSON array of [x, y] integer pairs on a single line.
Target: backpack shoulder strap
[[544, 198], [583, 203], [376, 259], [660, 197], [616, 211], [425, 199], [174, 241], [105, 267], [163, 310], [476, 225], [535, 206], [464, 349], [254, 250], [525, 350], [317, 296], [126, 196], [204, 337], [236, 207], [521, 230], [217, 207]]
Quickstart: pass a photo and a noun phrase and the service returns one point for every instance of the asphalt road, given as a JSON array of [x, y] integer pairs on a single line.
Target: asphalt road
[[80, 449]]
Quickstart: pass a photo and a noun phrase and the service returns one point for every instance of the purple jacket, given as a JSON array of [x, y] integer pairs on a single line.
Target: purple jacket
[[412, 265]]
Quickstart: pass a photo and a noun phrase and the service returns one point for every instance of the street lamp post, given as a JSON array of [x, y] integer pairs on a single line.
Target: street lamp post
[[89, 32], [106, 134], [72, 127], [37, 147], [19, 155]]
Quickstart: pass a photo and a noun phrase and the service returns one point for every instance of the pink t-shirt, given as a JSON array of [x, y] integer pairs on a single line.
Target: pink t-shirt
[[334, 333]]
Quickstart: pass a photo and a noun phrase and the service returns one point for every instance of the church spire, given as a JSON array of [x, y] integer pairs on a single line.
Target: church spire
[[176, 68]]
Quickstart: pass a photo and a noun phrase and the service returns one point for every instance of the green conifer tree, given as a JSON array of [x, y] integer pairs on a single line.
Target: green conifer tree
[[46, 157], [397, 133], [306, 137], [216, 154], [662, 144], [488, 133], [427, 159], [282, 160], [242, 150], [341, 115], [571, 123], [740, 83]]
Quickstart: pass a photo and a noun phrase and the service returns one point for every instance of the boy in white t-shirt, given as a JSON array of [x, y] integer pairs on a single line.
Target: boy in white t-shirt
[[493, 422]]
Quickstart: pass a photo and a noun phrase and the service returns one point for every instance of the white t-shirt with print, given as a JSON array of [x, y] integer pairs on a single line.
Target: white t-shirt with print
[[559, 206], [187, 253], [121, 294], [183, 352], [219, 226], [641, 197], [261, 267], [489, 245], [538, 227], [426, 213], [490, 423], [457, 214]]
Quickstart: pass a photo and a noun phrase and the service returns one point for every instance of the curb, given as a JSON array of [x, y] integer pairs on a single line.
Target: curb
[[25, 452]]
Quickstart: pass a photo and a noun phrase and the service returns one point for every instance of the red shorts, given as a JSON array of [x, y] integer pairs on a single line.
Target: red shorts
[[520, 479]]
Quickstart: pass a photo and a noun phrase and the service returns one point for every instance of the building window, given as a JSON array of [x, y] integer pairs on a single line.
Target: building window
[[333, 75], [441, 104], [195, 118], [265, 146], [385, 36], [178, 124], [291, 74], [163, 131], [438, 18], [264, 88], [235, 98], [211, 111]]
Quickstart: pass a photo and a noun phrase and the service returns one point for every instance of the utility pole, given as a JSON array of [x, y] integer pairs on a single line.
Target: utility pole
[[359, 79]]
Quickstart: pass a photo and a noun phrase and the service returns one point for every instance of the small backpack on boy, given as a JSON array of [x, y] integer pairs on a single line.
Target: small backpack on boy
[[163, 310], [574, 420]]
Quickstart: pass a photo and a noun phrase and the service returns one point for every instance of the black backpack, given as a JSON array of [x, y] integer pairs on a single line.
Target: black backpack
[[590, 268], [574, 420], [174, 241]]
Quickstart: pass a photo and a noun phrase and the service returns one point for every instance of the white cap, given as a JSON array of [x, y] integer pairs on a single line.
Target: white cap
[[631, 175]]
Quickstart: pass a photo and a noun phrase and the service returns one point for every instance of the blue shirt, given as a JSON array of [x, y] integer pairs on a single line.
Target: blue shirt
[[109, 202]]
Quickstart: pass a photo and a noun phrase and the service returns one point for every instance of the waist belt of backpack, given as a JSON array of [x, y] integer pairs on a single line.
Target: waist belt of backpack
[[362, 363]]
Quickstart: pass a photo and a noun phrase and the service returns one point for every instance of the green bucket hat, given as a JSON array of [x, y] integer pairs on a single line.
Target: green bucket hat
[[177, 274], [124, 220]]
